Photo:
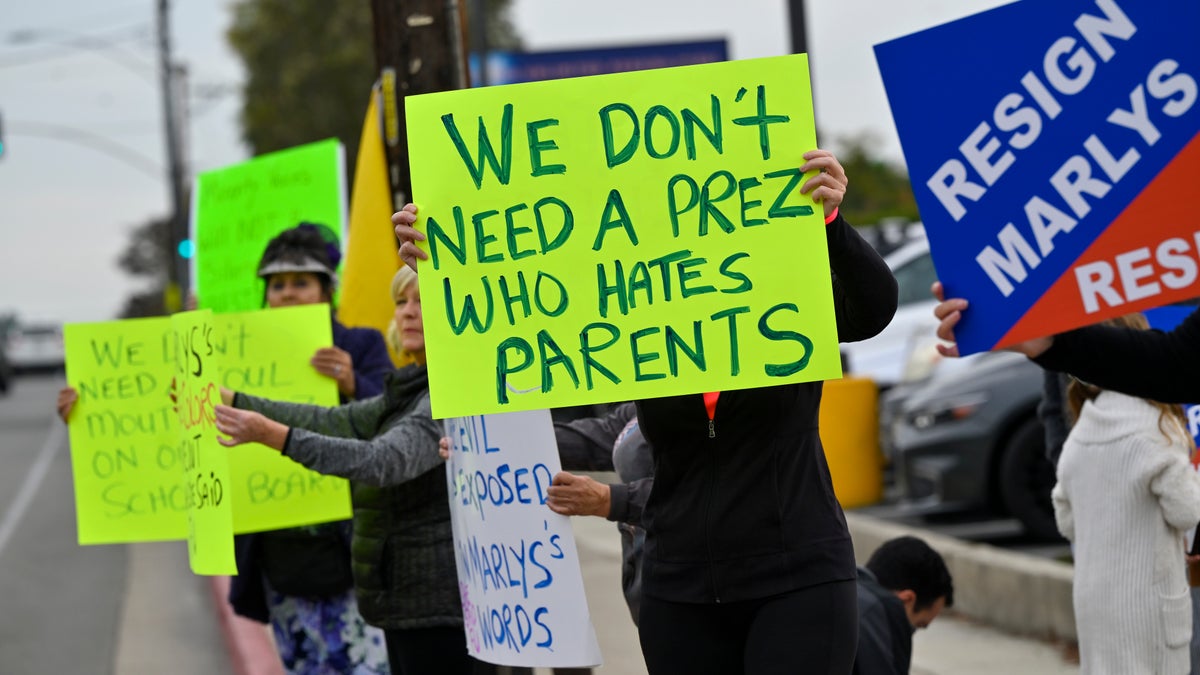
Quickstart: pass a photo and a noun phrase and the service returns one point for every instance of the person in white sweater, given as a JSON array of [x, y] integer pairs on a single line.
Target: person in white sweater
[[1126, 496]]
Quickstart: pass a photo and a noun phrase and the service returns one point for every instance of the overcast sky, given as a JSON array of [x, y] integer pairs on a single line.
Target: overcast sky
[[66, 209]]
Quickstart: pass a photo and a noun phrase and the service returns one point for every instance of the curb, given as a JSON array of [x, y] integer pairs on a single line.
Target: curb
[[251, 648], [1014, 592]]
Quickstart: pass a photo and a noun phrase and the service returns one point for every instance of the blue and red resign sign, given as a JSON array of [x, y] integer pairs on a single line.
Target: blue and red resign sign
[[1054, 149]]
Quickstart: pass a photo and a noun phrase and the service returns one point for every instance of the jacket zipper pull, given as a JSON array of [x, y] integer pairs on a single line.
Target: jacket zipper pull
[[712, 429]]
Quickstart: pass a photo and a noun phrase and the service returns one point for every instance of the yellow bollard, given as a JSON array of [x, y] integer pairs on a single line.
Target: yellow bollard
[[849, 420]]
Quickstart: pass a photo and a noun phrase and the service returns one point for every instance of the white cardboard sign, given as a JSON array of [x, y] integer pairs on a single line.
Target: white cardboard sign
[[518, 568]]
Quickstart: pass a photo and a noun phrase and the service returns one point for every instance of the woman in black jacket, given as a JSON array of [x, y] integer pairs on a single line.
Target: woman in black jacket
[[748, 565]]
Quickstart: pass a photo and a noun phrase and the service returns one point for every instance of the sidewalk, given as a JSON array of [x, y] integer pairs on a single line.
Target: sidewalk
[[167, 625], [952, 645], [176, 622]]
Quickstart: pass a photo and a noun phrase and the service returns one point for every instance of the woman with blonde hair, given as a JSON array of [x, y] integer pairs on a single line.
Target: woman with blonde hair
[[403, 278], [1126, 496], [403, 548]]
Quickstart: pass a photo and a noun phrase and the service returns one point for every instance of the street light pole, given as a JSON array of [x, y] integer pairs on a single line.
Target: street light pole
[[177, 231]]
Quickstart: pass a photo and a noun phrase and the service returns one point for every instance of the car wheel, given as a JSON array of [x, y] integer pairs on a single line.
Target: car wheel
[[1026, 479]]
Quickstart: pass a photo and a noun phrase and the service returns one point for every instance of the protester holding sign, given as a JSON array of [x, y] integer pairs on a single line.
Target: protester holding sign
[[404, 568], [1149, 364], [298, 268], [299, 579], [609, 443], [1126, 496], [1047, 188], [748, 565]]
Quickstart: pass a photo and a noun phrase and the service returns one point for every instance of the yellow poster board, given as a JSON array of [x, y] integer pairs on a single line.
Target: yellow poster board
[[125, 436], [204, 462], [621, 236], [266, 353]]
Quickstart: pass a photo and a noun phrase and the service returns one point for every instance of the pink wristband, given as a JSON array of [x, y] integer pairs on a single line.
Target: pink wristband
[[831, 217]]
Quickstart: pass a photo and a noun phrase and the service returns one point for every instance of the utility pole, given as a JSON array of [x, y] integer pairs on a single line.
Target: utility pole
[[177, 230], [479, 38], [799, 33], [419, 49], [796, 26]]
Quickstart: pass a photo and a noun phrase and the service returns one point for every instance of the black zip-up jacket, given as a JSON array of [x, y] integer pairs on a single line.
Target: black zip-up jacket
[[1144, 363], [884, 633], [750, 512]]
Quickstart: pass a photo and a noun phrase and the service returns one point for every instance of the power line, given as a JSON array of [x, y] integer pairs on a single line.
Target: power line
[[67, 134], [108, 14], [98, 43]]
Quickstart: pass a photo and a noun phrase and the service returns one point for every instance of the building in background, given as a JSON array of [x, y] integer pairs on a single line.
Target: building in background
[[504, 67]]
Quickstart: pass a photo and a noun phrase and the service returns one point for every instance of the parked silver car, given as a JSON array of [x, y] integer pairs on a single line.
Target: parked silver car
[[36, 348], [883, 357]]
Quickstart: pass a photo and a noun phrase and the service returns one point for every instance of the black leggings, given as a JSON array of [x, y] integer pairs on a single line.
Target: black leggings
[[432, 651], [812, 630]]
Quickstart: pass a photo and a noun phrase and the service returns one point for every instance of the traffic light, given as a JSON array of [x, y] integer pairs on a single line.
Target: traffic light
[[186, 249]]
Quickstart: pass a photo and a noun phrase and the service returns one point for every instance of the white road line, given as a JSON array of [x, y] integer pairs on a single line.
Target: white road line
[[33, 480]]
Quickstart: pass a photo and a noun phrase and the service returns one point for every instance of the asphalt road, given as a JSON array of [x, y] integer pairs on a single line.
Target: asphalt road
[[94, 610]]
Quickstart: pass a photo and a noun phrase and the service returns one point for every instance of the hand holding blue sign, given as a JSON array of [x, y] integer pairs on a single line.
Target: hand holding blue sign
[[949, 313], [1050, 189], [1148, 364]]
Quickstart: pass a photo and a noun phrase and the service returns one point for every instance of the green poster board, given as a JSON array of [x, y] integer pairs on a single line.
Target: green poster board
[[237, 209], [621, 236]]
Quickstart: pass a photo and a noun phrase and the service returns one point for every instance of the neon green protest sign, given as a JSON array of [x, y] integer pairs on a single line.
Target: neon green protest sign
[[266, 353], [621, 236], [204, 462], [239, 208], [125, 435]]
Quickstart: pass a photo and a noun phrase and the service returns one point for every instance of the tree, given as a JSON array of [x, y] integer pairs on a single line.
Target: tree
[[148, 255], [879, 190], [309, 65]]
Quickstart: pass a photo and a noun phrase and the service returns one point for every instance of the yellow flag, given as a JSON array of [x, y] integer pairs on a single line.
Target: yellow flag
[[371, 254]]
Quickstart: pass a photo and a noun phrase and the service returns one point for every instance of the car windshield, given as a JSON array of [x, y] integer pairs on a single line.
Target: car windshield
[[914, 278]]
